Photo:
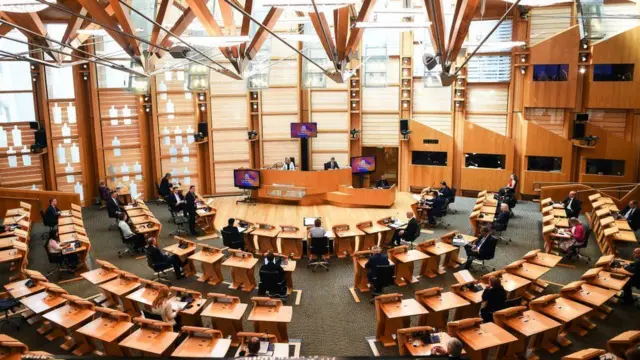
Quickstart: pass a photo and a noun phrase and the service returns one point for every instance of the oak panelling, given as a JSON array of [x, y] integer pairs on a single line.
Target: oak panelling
[[613, 121], [330, 100], [224, 85], [177, 82], [431, 99], [229, 112], [10, 198], [224, 175], [332, 121], [495, 123], [439, 122], [56, 129], [380, 130], [177, 165], [230, 145], [380, 99], [276, 151], [284, 73], [548, 21], [128, 157], [550, 119], [180, 104], [559, 49], [421, 175], [336, 142], [280, 101], [619, 49], [21, 176], [537, 141], [277, 126], [612, 147], [487, 98], [480, 140]]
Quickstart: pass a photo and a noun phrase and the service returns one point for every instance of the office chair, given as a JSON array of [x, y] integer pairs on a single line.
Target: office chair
[[7, 305], [151, 316], [492, 254], [319, 247], [499, 228], [439, 214], [47, 224], [160, 270], [411, 238], [385, 275], [130, 245], [576, 255], [452, 200], [160, 199], [113, 215], [232, 241], [53, 258], [178, 219], [272, 284]]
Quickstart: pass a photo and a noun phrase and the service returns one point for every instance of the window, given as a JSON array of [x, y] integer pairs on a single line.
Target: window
[[544, 163], [432, 158], [605, 167], [489, 69], [487, 161], [499, 41], [60, 82], [613, 72], [551, 72], [109, 77]]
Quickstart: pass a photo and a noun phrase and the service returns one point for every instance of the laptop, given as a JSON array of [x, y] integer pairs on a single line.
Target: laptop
[[309, 221]]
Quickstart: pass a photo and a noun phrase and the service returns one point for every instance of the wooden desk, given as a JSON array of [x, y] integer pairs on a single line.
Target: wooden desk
[[267, 238], [154, 338], [526, 270], [99, 275], [540, 258], [291, 241], [210, 260], [393, 313], [439, 304], [404, 260], [143, 297], [360, 259], [271, 317], [206, 219], [105, 331], [480, 339], [116, 290], [567, 312], [289, 268], [135, 212], [70, 221], [416, 347], [202, 343], [242, 270], [586, 354], [141, 220], [68, 318], [345, 240], [590, 295], [7, 242], [183, 254], [44, 301], [18, 289], [66, 229], [532, 329], [603, 278], [437, 251], [463, 276], [226, 313], [474, 298], [619, 344], [371, 235], [514, 285], [280, 350], [454, 260]]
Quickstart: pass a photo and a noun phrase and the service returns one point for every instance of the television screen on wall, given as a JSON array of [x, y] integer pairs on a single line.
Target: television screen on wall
[[551, 72], [431, 158], [605, 167], [544, 163], [613, 72], [486, 161]]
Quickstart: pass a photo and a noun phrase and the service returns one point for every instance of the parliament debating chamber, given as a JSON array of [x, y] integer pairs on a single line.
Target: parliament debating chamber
[[453, 179]]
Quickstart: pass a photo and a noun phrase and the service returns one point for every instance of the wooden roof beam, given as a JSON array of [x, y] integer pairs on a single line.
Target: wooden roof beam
[[203, 14], [229, 23], [321, 25], [356, 33], [261, 35], [178, 28], [459, 30], [32, 22], [165, 5], [74, 24], [246, 25], [125, 23], [341, 29], [436, 29]]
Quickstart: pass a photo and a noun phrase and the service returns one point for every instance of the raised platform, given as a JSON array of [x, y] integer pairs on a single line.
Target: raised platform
[[285, 214]]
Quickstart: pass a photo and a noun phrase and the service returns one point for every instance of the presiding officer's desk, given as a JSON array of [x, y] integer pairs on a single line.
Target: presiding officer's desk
[[319, 187]]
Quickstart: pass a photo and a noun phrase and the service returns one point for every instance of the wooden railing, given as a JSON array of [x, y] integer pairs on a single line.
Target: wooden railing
[[39, 199]]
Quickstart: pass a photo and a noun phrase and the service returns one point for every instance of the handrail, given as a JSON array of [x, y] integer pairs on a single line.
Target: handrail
[[617, 189]]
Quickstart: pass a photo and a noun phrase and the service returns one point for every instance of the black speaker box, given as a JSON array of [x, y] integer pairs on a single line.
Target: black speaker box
[[41, 138], [203, 128], [404, 125]]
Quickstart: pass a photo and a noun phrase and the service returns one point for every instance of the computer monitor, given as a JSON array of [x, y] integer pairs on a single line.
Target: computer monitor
[[304, 130], [363, 164], [309, 221], [246, 179]]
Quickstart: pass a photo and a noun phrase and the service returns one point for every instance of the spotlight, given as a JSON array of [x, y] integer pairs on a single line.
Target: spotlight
[[252, 134], [583, 57], [523, 69], [429, 61], [582, 69], [202, 107], [405, 134], [523, 59], [355, 133]]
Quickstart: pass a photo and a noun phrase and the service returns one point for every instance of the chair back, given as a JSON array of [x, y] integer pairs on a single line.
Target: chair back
[[46, 221], [122, 235], [587, 235], [231, 240], [492, 251], [151, 316], [415, 235], [512, 302], [452, 199], [384, 275], [271, 281], [320, 246], [51, 257]]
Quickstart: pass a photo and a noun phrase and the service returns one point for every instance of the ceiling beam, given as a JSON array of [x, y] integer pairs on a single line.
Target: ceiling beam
[[178, 29], [203, 14], [32, 22], [74, 24], [356, 33], [262, 34], [459, 30], [125, 23], [321, 25], [437, 28], [246, 25], [5, 29], [229, 24], [163, 9], [341, 29], [79, 39]]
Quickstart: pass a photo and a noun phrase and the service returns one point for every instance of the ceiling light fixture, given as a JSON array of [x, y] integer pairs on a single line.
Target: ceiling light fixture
[[393, 25], [23, 6]]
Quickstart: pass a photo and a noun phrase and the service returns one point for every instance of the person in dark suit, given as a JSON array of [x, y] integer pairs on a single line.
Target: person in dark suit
[[377, 259], [52, 214], [445, 190], [272, 284], [231, 228], [190, 208], [104, 191], [114, 207], [158, 257], [572, 205], [631, 214], [484, 248], [634, 281], [501, 220], [165, 185], [382, 183], [176, 200], [438, 207], [331, 164], [494, 297], [273, 264], [409, 231], [253, 348]]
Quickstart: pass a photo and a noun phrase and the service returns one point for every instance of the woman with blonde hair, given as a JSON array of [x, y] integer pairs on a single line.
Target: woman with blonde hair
[[162, 306]]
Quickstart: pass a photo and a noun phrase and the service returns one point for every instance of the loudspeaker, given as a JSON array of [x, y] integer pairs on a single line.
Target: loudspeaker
[[582, 117], [41, 138], [404, 125], [203, 128], [578, 130], [34, 125]]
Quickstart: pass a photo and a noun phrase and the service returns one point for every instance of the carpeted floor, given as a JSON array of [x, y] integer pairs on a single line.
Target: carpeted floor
[[328, 321]]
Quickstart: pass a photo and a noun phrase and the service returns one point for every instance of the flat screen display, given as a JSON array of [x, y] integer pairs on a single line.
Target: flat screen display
[[544, 163], [363, 164], [486, 161], [304, 130], [246, 179], [605, 167], [551, 72], [431, 158], [613, 72]]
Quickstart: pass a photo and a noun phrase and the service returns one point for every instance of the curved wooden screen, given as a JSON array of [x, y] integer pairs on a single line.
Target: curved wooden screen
[[480, 140], [427, 175]]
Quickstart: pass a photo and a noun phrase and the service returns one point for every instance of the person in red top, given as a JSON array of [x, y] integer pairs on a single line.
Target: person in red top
[[578, 237]]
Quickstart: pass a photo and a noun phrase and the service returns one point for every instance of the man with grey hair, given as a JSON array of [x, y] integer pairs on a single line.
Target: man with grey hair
[[454, 348], [572, 205]]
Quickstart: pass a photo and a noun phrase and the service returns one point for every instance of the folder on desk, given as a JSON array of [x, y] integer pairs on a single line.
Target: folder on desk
[[242, 229]]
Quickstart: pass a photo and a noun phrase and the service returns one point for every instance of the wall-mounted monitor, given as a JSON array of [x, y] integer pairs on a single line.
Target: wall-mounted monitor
[[304, 130], [363, 164], [605, 167], [544, 163], [246, 179], [486, 161], [551, 72], [613, 72], [431, 158]]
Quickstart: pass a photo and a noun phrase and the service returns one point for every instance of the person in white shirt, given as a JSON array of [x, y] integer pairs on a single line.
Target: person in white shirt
[[137, 239], [54, 247], [317, 231], [288, 165], [162, 306]]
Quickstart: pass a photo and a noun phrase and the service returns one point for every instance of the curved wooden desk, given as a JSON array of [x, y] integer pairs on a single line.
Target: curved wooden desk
[[319, 187]]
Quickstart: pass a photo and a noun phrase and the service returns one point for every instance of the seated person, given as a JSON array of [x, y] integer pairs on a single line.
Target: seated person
[[382, 183], [52, 214], [501, 220], [234, 238], [54, 247], [454, 349], [165, 185], [376, 259], [253, 348], [136, 239], [115, 207], [494, 297], [634, 281], [317, 231], [274, 265], [572, 205], [483, 249], [288, 165], [578, 237], [445, 190], [631, 214], [633, 353], [331, 164], [162, 306], [438, 205], [104, 191], [176, 200], [510, 188], [408, 232], [158, 257]]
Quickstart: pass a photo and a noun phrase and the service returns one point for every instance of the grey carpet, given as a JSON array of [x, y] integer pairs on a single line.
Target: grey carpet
[[328, 321]]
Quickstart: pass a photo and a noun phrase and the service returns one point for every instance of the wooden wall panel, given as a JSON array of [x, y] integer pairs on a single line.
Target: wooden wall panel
[[284, 73], [332, 121], [439, 122], [548, 21], [550, 119], [611, 147], [20, 176], [333, 142], [496, 123], [613, 121], [487, 98], [224, 175], [277, 126], [276, 151], [229, 112], [230, 145], [319, 159], [480, 140], [222, 84], [380, 99], [421, 175], [380, 130], [330, 100], [431, 99], [280, 101]]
